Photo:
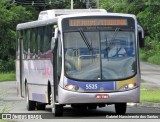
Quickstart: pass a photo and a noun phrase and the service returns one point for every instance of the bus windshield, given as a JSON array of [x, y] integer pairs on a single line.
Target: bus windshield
[[111, 57]]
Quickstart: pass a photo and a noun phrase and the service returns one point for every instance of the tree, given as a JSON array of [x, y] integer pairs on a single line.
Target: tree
[[10, 16]]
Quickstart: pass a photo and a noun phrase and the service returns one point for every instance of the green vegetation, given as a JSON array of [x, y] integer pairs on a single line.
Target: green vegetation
[[7, 76], [149, 95], [10, 16], [151, 53]]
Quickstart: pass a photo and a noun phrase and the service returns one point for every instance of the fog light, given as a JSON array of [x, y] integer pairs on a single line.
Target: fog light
[[76, 88]]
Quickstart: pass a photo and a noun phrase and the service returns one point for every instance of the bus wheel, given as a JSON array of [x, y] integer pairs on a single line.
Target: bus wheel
[[92, 106], [58, 110], [41, 106], [120, 108], [31, 105]]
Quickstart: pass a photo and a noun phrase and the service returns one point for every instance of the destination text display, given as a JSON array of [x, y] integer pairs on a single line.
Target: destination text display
[[98, 22]]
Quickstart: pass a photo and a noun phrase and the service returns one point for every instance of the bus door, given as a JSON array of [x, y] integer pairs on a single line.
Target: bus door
[[57, 64]]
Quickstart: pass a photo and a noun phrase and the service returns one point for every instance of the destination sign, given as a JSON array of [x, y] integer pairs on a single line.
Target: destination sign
[[97, 22], [88, 23]]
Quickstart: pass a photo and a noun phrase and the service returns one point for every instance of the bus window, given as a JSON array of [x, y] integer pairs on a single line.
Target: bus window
[[38, 38], [34, 49], [41, 49], [47, 42], [17, 45], [28, 40], [36, 43], [32, 46], [25, 44]]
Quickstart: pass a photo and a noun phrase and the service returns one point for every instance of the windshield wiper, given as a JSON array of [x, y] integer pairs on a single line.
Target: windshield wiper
[[115, 33], [113, 37], [89, 45], [110, 41]]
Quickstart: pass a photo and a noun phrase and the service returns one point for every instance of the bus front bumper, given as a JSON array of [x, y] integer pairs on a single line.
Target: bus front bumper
[[69, 97]]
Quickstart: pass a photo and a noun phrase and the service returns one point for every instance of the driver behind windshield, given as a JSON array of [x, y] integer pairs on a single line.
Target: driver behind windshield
[[117, 50]]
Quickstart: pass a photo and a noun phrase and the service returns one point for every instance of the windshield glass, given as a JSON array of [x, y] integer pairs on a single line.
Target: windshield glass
[[101, 55]]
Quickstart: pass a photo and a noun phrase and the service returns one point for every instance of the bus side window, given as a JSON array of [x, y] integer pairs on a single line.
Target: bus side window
[[48, 36], [38, 41], [18, 45], [28, 40], [25, 44], [41, 48], [32, 46]]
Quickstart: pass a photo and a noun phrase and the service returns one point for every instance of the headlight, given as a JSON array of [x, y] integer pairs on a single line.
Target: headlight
[[131, 86], [71, 87], [128, 86]]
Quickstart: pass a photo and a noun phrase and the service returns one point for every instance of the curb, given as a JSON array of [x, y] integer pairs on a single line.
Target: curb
[[145, 104]]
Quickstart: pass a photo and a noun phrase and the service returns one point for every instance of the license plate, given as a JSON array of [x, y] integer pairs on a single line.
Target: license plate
[[102, 96]]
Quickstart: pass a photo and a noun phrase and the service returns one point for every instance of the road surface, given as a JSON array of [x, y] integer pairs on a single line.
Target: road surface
[[150, 75]]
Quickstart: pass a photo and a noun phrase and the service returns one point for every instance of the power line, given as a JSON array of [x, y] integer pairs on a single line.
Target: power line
[[34, 3], [44, 3]]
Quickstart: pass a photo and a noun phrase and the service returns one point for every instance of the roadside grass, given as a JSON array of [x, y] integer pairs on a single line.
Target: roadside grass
[[150, 56], [149, 95], [155, 59], [10, 76]]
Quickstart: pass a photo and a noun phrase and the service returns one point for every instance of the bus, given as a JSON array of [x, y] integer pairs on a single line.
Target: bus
[[63, 59]]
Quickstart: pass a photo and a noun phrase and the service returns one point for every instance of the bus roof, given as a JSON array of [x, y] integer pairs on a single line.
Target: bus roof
[[49, 14], [98, 14], [36, 23], [51, 19]]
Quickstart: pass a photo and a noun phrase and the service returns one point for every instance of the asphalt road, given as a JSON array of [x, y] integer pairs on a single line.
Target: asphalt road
[[150, 75], [9, 102]]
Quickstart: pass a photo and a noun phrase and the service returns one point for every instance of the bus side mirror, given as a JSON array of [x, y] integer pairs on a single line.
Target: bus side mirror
[[141, 36], [54, 39], [141, 39]]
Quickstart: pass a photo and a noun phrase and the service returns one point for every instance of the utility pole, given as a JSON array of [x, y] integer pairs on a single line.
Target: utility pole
[[88, 4], [92, 3], [98, 4], [71, 4]]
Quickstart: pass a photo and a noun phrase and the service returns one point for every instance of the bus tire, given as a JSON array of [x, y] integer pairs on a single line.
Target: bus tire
[[58, 110], [120, 108], [92, 106], [31, 105], [41, 106]]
